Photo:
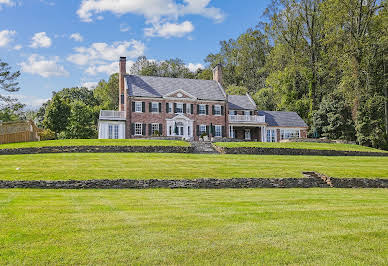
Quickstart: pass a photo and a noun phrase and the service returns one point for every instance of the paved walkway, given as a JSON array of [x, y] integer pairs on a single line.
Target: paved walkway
[[203, 147]]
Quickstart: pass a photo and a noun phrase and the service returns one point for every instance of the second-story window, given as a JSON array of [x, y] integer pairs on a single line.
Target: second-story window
[[217, 110], [202, 109], [179, 108], [155, 107], [138, 107]]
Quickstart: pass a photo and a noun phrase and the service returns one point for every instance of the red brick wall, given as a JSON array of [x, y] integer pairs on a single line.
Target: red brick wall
[[148, 117]]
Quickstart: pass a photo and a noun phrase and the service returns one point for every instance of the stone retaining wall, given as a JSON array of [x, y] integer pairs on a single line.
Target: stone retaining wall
[[98, 149], [200, 183], [288, 151]]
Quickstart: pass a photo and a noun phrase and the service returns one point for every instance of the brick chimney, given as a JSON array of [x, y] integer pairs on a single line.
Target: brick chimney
[[217, 73], [122, 92]]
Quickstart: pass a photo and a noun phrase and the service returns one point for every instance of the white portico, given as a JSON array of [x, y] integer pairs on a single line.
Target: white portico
[[180, 126]]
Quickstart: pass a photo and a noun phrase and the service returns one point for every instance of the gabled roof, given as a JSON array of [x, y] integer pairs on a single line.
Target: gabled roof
[[282, 119], [241, 102], [158, 87]]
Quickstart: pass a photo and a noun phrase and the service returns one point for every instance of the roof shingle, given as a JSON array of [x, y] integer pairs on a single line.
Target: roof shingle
[[240, 102], [282, 119]]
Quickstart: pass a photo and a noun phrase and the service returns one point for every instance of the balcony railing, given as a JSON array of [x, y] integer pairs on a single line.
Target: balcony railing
[[112, 115], [246, 118]]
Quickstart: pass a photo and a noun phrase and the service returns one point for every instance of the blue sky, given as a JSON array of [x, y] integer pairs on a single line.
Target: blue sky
[[68, 43]]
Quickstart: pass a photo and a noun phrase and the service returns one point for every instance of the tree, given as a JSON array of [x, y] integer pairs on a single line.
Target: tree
[[333, 119], [266, 99], [8, 83], [80, 123], [57, 114], [107, 93]]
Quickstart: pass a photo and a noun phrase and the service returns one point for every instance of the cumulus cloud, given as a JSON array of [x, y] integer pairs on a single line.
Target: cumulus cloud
[[39, 65], [40, 39], [109, 68], [194, 67], [90, 85], [76, 37], [6, 3], [6, 37], [124, 27], [168, 30]]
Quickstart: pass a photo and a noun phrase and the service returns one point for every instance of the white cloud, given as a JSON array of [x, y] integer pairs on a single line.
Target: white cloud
[[109, 68], [17, 47], [39, 65], [168, 30], [30, 101], [194, 67], [40, 39], [76, 37], [90, 85], [124, 27], [6, 3], [6, 37]]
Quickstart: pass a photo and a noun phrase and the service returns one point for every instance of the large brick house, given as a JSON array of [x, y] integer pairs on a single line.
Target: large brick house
[[190, 108]]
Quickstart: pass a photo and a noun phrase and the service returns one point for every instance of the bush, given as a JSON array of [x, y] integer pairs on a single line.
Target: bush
[[47, 134]]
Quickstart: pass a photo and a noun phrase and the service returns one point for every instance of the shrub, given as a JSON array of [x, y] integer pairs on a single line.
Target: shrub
[[46, 134]]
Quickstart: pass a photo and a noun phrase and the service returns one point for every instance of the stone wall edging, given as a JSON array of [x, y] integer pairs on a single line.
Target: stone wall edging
[[97, 149], [289, 151], [198, 183]]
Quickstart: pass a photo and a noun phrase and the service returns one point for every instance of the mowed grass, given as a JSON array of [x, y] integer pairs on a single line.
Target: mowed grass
[[95, 142], [299, 145], [194, 227], [84, 166]]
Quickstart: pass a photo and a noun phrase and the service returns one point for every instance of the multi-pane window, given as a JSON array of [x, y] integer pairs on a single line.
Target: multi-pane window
[[218, 131], [138, 129], [110, 132], [155, 107], [169, 108], [202, 109], [188, 108], [179, 108], [289, 133], [202, 129], [233, 112], [138, 107], [271, 137], [217, 109], [155, 129], [116, 131], [113, 131], [247, 112]]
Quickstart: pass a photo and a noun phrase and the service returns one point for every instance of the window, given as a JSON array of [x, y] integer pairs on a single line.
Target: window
[[138, 129], [233, 112], [179, 108], [116, 131], [289, 133], [122, 98], [202, 129], [169, 108], [170, 130], [202, 109], [217, 109], [155, 108], [218, 131], [188, 131], [247, 112], [110, 131], [271, 137], [188, 108], [155, 128], [138, 107]]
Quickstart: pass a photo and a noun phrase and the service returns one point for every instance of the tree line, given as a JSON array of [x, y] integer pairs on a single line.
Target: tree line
[[324, 59]]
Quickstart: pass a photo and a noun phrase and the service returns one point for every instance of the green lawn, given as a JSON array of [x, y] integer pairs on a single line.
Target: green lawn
[[95, 142], [195, 227], [182, 166], [299, 145]]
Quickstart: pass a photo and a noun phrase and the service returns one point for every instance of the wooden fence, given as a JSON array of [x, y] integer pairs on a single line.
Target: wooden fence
[[18, 137]]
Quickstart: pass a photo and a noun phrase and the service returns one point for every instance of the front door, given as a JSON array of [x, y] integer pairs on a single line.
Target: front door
[[247, 134], [180, 130]]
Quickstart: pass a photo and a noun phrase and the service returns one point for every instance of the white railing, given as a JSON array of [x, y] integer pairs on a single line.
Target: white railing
[[112, 115], [246, 118]]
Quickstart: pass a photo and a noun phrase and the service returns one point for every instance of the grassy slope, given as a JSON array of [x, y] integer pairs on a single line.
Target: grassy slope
[[299, 145], [225, 227], [95, 142], [182, 166]]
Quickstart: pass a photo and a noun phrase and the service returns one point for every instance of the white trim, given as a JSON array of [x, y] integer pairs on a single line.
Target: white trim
[[252, 101], [181, 91], [141, 105]]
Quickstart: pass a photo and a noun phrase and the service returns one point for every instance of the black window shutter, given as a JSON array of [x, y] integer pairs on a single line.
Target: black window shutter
[[207, 109], [150, 107], [198, 131], [144, 129], [161, 129], [208, 130], [184, 108], [223, 131], [213, 112], [197, 108], [160, 107], [222, 110], [174, 108], [192, 108], [133, 106], [149, 130], [132, 129], [251, 112], [166, 107], [143, 107]]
